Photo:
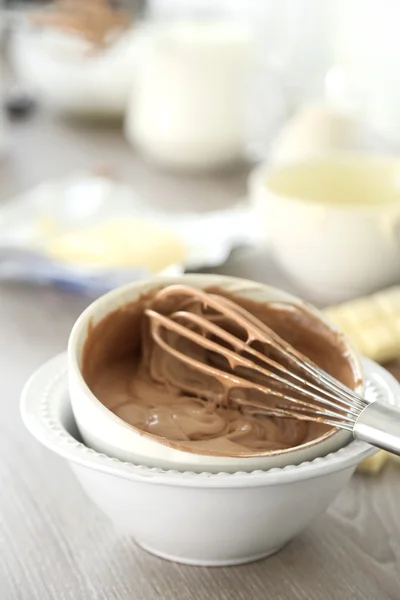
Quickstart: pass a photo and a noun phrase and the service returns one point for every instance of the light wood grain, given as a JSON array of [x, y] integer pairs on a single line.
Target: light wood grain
[[54, 544]]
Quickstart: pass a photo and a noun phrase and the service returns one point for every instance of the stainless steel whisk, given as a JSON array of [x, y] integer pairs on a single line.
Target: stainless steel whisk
[[298, 388]]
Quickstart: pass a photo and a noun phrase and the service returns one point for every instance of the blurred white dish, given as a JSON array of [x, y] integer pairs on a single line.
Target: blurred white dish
[[69, 76], [83, 202], [104, 431], [332, 222], [198, 519]]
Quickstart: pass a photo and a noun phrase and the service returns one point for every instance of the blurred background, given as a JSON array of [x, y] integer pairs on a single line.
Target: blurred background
[[253, 138]]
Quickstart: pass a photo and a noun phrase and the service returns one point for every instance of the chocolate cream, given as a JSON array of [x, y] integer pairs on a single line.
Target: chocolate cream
[[188, 408]]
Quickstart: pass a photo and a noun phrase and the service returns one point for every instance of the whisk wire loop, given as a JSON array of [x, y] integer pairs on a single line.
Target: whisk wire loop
[[317, 397]]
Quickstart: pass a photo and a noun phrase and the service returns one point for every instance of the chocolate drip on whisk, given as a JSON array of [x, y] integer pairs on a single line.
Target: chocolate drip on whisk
[[244, 353]]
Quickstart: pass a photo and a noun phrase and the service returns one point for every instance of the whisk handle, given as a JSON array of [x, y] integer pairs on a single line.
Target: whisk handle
[[379, 425]]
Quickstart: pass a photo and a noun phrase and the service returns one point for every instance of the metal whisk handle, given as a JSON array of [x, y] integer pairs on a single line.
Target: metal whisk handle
[[379, 425]]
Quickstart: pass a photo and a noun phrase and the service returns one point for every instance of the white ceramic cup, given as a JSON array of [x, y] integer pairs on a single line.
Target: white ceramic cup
[[187, 107], [102, 430], [332, 223]]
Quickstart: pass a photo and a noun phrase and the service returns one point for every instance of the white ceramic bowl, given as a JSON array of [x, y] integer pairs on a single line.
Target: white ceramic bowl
[[332, 222], [201, 519], [105, 432], [71, 80]]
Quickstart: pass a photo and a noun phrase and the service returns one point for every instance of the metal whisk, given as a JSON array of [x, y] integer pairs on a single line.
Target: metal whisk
[[291, 384]]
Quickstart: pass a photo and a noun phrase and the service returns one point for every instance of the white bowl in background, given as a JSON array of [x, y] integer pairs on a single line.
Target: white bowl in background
[[332, 222], [199, 519], [72, 79], [104, 431]]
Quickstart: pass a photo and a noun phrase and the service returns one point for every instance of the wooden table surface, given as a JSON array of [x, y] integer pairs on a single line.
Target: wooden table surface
[[54, 544]]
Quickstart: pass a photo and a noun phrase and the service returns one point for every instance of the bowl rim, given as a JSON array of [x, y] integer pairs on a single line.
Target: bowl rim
[[152, 283], [259, 179], [51, 379]]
